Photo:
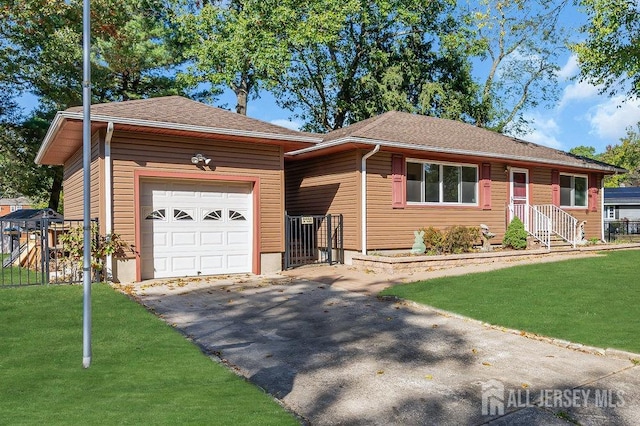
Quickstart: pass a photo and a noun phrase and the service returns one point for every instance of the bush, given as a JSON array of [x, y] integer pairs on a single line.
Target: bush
[[456, 239], [460, 239], [516, 236], [101, 246], [434, 240]]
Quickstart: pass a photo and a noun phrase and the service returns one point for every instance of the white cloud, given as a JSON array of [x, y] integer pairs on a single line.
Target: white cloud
[[610, 119], [293, 125], [570, 69], [544, 131], [577, 92]]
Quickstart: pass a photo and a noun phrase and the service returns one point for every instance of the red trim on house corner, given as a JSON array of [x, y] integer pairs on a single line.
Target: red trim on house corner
[[161, 174]]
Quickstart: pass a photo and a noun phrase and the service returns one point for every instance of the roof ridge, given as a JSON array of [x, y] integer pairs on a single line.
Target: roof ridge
[[375, 122]]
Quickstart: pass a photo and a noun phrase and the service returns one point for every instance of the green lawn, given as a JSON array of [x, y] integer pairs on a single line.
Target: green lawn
[[594, 301], [18, 276], [143, 371]]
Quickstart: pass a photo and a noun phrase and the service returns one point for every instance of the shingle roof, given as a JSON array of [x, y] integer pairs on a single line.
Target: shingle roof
[[627, 195], [19, 201], [455, 137], [180, 110]]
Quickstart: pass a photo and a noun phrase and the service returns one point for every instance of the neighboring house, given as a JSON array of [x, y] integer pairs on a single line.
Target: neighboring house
[[622, 203], [10, 205], [200, 190]]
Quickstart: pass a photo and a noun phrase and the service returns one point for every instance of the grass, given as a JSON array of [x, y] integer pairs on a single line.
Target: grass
[[143, 371], [18, 276], [594, 301]]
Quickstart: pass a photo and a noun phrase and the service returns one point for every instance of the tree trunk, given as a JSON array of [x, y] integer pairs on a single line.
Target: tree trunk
[[241, 103], [56, 189]]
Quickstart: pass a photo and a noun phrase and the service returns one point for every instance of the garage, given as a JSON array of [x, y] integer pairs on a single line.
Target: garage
[[191, 228]]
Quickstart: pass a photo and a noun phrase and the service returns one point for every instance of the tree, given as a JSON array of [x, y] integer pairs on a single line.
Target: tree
[[19, 145], [584, 151], [41, 53], [625, 155], [246, 44], [384, 55], [519, 41], [609, 55]]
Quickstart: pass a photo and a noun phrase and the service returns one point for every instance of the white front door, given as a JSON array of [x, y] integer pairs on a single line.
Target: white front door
[[195, 228], [519, 184]]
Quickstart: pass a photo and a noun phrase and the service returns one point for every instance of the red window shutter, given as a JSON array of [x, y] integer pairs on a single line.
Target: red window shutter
[[398, 182], [555, 187], [593, 192], [486, 186]]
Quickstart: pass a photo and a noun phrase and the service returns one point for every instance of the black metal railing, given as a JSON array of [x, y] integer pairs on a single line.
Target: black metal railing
[[35, 251], [313, 239], [622, 230]]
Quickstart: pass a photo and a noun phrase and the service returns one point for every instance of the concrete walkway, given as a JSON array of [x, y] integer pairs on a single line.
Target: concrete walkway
[[335, 356]]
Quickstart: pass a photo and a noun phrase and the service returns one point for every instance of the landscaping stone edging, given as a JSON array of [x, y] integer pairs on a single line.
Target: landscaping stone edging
[[609, 352], [391, 264]]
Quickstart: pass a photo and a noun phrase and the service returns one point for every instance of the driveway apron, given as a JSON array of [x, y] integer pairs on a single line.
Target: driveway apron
[[339, 357]]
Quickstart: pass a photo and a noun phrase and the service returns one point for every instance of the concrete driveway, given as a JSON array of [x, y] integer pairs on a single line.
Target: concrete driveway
[[341, 357]]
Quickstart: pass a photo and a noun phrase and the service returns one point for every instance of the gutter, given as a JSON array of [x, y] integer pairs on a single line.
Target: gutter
[[108, 193], [409, 146], [66, 115], [363, 196]]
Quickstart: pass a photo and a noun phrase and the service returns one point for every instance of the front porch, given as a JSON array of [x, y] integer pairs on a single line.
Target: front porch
[[548, 224]]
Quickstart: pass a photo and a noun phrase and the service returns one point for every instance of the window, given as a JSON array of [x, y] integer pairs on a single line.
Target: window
[[442, 183], [213, 215], [234, 215], [181, 215], [156, 215], [573, 191], [610, 212]]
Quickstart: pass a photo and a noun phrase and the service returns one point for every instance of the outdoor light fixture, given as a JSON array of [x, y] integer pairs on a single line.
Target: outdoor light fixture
[[199, 158]]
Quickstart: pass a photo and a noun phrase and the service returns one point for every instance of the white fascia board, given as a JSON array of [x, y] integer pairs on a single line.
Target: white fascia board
[[53, 129], [411, 146]]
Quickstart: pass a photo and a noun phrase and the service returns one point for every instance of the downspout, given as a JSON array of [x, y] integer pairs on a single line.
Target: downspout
[[108, 187], [363, 189], [602, 212]]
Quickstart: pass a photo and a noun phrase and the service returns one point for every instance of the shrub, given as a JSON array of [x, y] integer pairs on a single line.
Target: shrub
[[516, 236], [460, 239], [101, 246], [434, 240], [456, 239]]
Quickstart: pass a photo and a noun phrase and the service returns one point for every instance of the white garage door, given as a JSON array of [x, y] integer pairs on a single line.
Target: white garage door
[[192, 228]]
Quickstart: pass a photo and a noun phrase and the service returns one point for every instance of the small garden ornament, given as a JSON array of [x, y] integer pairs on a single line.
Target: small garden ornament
[[418, 243], [486, 237]]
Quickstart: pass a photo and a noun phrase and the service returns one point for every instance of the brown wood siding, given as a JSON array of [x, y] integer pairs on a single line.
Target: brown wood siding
[[130, 151], [389, 228], [73, 181], [327, 185], [72, 187], [540, 179]]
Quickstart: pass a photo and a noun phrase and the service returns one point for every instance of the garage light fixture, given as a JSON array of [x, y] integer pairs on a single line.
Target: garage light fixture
[[199, 158]]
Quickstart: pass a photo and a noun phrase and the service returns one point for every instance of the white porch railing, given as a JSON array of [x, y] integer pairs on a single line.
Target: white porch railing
[[562, 223], [541, 221]]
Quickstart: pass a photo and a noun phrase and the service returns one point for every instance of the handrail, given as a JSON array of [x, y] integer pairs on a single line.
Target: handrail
[[562, 223], [536, 223]]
